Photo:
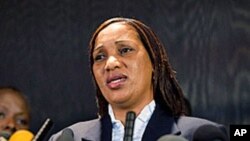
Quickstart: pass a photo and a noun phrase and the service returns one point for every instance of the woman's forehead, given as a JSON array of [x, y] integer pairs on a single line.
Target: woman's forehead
[[117, 31], [116, 27]]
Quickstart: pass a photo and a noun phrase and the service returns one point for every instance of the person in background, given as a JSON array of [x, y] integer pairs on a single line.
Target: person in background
[[14, 111], [132, 72]]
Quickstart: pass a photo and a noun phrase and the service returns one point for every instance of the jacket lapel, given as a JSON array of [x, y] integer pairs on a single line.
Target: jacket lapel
[[161, 123], [103, 127], [106, 128]]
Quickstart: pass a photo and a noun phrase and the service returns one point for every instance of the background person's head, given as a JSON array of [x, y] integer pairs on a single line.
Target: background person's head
[[14, 110], [166, 90]]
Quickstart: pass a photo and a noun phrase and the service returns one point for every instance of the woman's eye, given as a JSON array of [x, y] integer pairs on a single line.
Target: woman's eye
[[99, 57], [2, 115], [125, 50], [22, 122]]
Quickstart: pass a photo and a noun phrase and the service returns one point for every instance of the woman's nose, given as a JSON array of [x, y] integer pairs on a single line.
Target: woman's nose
[[112, 63], [10, 125]]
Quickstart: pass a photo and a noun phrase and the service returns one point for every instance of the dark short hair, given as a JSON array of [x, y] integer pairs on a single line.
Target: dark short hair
[[167, 92], [20, 94]]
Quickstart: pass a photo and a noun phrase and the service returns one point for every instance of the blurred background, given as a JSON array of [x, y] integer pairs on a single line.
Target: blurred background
[[44, 52]]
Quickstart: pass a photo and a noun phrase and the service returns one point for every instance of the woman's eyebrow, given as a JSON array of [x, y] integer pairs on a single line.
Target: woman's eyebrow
[[122, 41], [98, 47]]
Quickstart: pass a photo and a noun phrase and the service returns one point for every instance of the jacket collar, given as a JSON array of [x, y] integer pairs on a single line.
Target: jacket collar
[[161, 123]]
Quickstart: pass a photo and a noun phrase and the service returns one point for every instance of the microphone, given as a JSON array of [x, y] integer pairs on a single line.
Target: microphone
[[25, 135], [209, 133], [22, 135], [129, 126], [43, 130], [171, 138], [67, 135]]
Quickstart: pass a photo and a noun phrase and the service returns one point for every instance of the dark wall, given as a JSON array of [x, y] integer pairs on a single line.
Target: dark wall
[[44, 52]]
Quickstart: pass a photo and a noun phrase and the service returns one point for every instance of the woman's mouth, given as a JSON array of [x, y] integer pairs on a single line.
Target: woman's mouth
[[5, 134], [116, 81]]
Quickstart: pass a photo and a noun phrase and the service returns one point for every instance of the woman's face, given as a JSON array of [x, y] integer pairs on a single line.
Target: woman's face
[[122, 67], [13, 112]]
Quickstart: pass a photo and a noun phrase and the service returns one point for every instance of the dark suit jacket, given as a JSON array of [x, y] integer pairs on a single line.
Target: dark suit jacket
[[161, 123]]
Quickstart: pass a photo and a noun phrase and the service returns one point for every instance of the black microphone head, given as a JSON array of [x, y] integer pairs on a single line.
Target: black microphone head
[[67, 135], [171, 138], [129, 126], [209, 133]]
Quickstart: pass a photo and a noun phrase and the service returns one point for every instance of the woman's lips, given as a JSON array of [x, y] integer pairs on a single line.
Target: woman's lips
[[116, 81], [5, 134]]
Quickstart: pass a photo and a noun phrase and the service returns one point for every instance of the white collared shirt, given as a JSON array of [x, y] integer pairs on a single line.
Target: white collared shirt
[[141, 122]]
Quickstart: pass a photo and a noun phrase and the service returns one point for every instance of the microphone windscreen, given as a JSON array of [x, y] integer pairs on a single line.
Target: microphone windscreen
[[21, 135], [67, 135], [171, 138], [209, 133]]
